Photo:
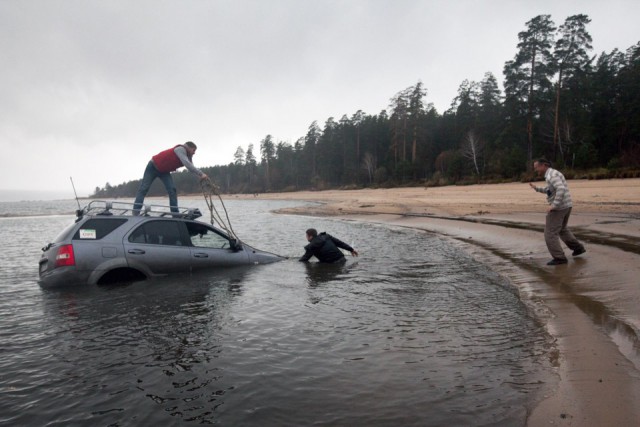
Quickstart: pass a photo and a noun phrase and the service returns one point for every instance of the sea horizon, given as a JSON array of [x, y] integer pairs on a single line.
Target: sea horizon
[[37, 195]]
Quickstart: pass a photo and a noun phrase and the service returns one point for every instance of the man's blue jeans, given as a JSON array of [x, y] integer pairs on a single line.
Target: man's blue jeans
[[150, 174]]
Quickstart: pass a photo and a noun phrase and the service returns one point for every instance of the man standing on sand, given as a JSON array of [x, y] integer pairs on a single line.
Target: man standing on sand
[[160, 166], [325, 247], [559, 198]]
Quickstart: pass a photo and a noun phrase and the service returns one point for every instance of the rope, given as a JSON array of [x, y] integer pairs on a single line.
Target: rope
[[209, 189]]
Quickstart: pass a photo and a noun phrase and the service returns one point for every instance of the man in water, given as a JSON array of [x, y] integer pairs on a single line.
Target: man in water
[[160, 166], [325, 247], [559, 199]]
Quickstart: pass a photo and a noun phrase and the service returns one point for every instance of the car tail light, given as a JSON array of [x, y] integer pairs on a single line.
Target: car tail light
[[65, 256]]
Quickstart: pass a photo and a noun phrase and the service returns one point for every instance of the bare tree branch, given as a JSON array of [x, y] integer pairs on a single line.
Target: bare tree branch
[[472, 150]]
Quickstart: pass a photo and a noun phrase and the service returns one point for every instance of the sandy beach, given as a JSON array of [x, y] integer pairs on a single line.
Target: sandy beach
[[589, 306]]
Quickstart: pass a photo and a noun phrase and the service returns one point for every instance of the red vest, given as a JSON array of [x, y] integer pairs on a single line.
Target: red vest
[[167, 161]]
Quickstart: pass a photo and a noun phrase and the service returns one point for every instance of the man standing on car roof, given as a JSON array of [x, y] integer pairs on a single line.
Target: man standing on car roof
[[160, 166], [559, 199], [325, 247]]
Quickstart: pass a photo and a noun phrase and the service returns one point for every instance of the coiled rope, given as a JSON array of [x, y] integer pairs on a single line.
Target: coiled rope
[[210, 189]]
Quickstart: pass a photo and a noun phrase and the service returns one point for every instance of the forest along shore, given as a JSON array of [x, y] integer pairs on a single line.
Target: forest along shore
[[589, 306]]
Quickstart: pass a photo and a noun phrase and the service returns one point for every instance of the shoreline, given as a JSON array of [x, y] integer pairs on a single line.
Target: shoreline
[[588, 307], [597, 361]]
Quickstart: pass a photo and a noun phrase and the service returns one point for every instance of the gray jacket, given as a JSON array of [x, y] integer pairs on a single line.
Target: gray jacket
[[557, 191]]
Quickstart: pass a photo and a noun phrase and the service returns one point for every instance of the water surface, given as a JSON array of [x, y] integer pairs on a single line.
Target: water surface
[[413, 332]]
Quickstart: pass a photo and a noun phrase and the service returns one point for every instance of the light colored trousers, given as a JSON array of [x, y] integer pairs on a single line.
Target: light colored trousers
[[556, 227]]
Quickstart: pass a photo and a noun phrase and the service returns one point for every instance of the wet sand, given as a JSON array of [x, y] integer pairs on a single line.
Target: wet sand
[[589, 306]]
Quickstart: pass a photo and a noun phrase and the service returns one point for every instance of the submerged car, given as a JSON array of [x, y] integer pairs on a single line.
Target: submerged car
[[108, 244]]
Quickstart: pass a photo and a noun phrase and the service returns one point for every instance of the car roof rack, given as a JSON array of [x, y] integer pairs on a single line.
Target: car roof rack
[[108, 208]]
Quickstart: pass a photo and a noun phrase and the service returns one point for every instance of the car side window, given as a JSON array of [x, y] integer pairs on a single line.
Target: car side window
[[203, 236], [97, 228], [158, 233]]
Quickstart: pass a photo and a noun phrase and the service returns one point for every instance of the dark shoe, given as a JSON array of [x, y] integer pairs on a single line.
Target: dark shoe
[[557, 261], [579, 251]]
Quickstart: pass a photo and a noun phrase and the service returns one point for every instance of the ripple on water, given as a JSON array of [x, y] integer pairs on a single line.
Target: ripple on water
[[412, 332]]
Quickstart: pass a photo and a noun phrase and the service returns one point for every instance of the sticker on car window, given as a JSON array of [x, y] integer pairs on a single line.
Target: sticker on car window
[[87, 234]]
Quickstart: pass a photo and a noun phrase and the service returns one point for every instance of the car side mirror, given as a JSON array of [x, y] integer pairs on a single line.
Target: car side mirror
[[235, 245]]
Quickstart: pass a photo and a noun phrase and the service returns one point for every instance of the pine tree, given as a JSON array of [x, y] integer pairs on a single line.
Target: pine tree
[[267, 152], [239, 156], [570, 57], [527, 77]]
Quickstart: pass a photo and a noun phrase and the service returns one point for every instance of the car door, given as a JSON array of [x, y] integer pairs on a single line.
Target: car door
[[158, 247], [211, 248]]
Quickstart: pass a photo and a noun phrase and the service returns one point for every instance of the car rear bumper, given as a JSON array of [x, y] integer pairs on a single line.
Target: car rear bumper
[[63, 276]]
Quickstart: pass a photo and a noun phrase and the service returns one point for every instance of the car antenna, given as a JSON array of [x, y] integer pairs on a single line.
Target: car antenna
[[74, 192]]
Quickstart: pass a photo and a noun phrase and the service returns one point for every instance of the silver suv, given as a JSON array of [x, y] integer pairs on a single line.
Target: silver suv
[[108, 244]]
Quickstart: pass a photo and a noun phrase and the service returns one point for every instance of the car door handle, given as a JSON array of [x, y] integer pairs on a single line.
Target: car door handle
[[136, 251], [200, 255]]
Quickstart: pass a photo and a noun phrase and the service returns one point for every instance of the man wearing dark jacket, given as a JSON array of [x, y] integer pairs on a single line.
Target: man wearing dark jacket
[[325, 247]]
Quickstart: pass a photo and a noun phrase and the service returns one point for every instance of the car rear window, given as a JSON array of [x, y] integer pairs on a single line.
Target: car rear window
[[97, 228]]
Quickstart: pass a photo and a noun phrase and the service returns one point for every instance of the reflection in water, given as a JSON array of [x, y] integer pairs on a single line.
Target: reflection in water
[[319, 273], [153, 342]]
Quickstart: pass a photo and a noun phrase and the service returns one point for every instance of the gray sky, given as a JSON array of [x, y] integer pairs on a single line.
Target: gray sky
[[93, 89]]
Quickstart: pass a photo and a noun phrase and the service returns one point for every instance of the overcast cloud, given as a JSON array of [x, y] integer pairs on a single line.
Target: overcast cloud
[[92, 89]]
